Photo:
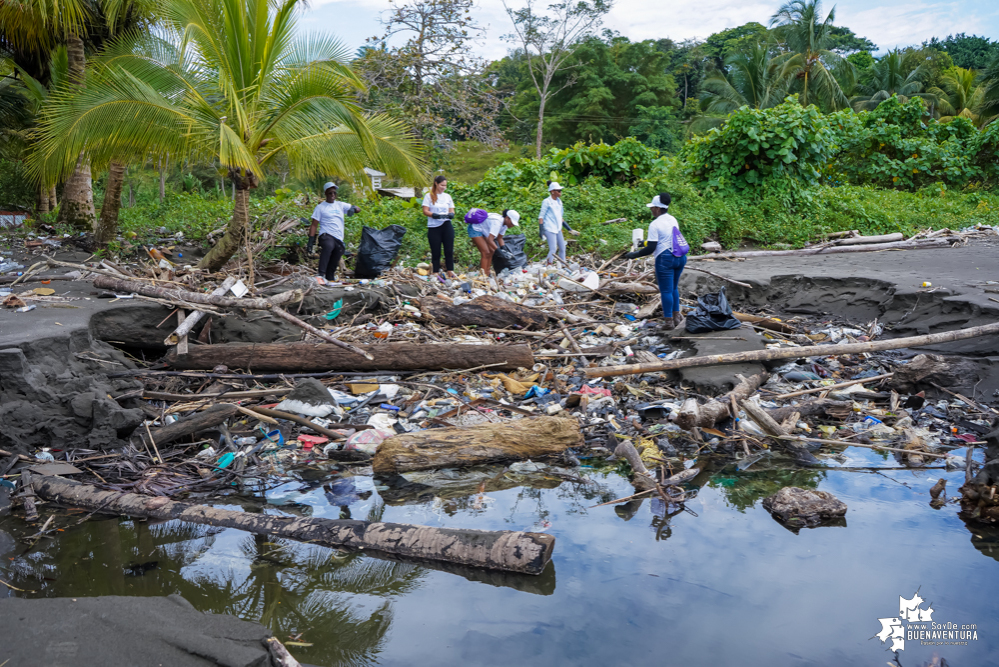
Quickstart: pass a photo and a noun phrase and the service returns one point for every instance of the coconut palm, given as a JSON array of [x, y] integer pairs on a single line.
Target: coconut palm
[[987, 107], [240, 88], [751, 78], [888, 79], [808, 62], [958, 95]]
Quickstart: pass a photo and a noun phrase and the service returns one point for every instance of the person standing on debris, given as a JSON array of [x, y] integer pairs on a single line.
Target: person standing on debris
[[328, 219], [439, 209], [551, 221], [669, 249]]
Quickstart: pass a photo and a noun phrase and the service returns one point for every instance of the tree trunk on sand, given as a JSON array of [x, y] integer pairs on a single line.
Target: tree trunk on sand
[[512, 551], [78, 193], [515, 440], [43, 199], [308, 358], [693, 414], [797, 352], [485, 311], [235, 233], [107, 226]]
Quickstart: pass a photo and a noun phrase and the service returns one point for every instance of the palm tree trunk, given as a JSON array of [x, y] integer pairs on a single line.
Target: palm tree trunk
[[78, 194], [232, 240], [107, 226], [43, 200], [53, 202]]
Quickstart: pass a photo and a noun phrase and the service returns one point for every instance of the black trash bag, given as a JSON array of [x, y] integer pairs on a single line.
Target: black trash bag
[[712, 314], [511, 255], [378, 250]]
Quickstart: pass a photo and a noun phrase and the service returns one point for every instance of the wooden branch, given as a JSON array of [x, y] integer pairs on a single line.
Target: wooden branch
[[285, 315], [188, 324], [705, 416], [121, 285], [719, 276], [832, 387], [641, 479], [860, 240], [796, 352], [208, 418], [831, 250], [512, 551], [762, 419], [281, 414]]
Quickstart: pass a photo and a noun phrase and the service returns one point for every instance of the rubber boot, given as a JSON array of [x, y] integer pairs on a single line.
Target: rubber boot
[[667, 324], [678, 319]]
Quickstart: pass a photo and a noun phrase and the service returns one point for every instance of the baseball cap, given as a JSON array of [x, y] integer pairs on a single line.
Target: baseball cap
[[514, 217], [657, 204], [554, 186], [330, 184]]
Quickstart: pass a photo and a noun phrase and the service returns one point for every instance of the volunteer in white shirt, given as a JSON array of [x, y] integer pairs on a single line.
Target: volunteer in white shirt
[[551, 220], [328, 219], [439, 209], [489, 236], [663, 231]]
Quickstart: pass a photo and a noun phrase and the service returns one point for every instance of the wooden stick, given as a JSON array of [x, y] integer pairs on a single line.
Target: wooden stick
[[626, 498], [964, 399], [187, 325], [252, 393], [846, 443], [280, 414], [860, 240], [122, 285], [31, 269], [835, 386], [152, 441], [719, 276], [796, 352], [257, 415], [182, 347], [285, 315]]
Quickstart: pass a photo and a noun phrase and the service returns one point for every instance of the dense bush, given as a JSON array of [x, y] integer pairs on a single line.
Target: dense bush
[[16, 190]]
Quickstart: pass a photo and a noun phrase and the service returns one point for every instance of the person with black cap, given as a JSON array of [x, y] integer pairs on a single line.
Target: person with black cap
[[328, 219], [669, 249]]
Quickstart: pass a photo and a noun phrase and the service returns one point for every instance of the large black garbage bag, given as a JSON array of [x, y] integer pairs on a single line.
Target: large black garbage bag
[[511, 255], [378, 250], [712, 314]]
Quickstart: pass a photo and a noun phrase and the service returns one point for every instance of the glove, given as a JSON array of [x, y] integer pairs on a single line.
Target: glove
[[353, 210], [311, 246], [436, 216], [574, 232], [631, 255]]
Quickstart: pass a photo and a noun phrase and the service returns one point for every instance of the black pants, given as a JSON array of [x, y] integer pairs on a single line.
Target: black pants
[[331, 250], [442, 235]]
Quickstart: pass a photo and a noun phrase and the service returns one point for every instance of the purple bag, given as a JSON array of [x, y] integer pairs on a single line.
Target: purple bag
[[476, 216], [680, 245]]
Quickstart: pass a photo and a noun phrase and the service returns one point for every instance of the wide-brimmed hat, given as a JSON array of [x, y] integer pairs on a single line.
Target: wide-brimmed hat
[[554, 186], [514, 217]]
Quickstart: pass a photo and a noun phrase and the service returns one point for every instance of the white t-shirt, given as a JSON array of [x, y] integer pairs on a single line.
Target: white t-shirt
[[443, 205], [494, 225], [551, 216], [661, 232], [331, 217]]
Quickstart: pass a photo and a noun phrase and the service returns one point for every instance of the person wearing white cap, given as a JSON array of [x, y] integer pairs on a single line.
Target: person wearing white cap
[[667, 245], [495, 228], [328, 221], [551, 221]]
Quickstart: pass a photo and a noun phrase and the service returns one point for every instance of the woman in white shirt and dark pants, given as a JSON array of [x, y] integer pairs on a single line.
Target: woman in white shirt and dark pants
[[439, 209], [668, 265], [552, 223]]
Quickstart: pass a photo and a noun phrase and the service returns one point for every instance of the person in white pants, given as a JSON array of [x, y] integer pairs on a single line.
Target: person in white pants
[[552, 222]]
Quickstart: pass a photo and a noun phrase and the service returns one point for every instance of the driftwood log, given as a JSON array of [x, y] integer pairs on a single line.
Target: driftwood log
[[764, 322], [208, 418], [305, 357], [513, 551], [531, 437], [692, 414], [187, 326], [796, 352], [828, 250], [818, 406], [861, 240], [487, 311]]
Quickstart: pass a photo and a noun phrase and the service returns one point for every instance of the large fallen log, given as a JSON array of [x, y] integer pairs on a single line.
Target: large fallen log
[[512, 551], [861, 240], [485, 311], [305, 357], [208, 418], [187, 326], [527, 438], [796, 352], [693, 414], [828, 250]]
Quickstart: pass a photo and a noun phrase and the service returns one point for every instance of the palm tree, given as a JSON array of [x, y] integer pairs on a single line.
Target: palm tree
[[751, 78], [240, 88], [809, 63], [987, 108], [959, 95], [889, 79]]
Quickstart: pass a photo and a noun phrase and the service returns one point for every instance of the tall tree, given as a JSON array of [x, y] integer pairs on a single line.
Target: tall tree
[[888, 78], [433, 77], [967, 51], [988, 107], [719, 46], [751, 77], [809, 59], [247, 92], [548, 40], [959, 95]]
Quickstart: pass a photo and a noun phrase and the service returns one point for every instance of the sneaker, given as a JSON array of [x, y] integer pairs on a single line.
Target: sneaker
[[320, 280]]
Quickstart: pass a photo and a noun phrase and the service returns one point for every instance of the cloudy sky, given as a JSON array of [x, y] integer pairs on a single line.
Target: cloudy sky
[[888, 23]]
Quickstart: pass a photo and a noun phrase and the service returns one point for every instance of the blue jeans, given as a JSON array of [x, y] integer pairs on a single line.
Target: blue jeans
[[668, 270]]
